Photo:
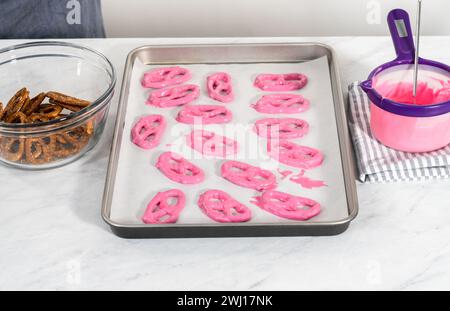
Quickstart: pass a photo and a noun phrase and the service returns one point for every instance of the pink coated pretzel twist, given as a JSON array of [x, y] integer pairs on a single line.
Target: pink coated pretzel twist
[[162, 77], [281, 103], [291, 154], [286, 128], [287, 206], [148, 131], [175, 96], [204, 114], [221, 207], [209, 143], [246, 175], [178, 169], [281, 82], [219, 87], [160, 210]]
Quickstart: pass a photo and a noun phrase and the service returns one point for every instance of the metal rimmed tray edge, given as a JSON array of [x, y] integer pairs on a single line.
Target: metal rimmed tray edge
[[234, 53]]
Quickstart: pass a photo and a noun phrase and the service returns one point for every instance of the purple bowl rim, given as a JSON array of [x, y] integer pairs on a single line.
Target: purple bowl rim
[[405, 109]]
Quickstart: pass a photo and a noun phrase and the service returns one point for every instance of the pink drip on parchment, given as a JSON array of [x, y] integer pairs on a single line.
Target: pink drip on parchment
[[284, 174], [306, 182]]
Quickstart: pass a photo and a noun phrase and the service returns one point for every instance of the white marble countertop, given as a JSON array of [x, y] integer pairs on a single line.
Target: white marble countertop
[[52, 235]]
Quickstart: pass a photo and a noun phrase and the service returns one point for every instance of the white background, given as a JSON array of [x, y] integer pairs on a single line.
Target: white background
[[216, 18]]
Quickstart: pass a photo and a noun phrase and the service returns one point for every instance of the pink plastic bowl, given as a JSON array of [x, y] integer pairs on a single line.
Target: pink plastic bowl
[[398, 119], [410, 134]]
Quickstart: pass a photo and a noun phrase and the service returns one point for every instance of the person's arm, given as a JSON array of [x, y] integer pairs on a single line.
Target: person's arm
[[27, 19]]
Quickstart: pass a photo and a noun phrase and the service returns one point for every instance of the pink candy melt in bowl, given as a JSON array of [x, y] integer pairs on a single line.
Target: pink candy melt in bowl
[[399, 119]]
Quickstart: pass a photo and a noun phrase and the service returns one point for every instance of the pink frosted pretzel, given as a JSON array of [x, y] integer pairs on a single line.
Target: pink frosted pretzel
[[209, 143], [291, 154], [148, 131], [160, 210], [162, 77], [219, 87], [248, 176], [175, 96], [281, 82], [221, 207], [281, 103], [178, 169], [286, 128], [287, 206], [204, 114]]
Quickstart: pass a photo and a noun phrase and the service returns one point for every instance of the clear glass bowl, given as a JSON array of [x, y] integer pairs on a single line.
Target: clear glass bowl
[[62, 67]]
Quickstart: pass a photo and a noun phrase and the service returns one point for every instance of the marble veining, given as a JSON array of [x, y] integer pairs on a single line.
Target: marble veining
[[52, 235]]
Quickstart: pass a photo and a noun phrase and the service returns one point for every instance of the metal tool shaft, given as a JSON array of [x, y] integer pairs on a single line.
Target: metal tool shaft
[[416, 59]]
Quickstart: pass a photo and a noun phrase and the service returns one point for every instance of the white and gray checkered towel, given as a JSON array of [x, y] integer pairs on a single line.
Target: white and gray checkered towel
[[378, 163]]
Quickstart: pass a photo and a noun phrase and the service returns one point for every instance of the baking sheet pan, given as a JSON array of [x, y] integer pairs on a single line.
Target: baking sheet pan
[[133, 180]]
